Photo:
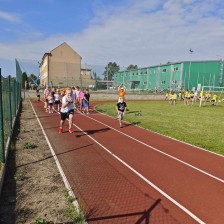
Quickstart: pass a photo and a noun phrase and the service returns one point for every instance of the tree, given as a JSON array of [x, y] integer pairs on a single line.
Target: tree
[[110, 69], [131, 67], [32, 79], [24, 79], [95, 76]]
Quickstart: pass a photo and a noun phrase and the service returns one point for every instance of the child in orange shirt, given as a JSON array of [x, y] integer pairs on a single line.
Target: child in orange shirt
[[121, 92]]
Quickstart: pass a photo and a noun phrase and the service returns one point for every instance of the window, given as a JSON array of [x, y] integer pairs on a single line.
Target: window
[[164, 70], [145, 83], [175, 69], [174, 82], [163, 82]]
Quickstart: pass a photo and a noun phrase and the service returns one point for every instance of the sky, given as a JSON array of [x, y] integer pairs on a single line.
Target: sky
[[140, 32]]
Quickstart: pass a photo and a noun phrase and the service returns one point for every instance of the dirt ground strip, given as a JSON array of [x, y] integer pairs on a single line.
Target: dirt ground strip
[[33, 188]]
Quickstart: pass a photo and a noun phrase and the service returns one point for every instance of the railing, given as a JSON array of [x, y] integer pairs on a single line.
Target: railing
[[10, 95]]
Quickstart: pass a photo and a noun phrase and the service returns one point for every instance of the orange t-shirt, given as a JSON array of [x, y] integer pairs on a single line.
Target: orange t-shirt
[[121, 93]]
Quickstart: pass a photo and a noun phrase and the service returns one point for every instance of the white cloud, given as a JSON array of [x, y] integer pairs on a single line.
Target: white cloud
[[10, 17], [143, 33]]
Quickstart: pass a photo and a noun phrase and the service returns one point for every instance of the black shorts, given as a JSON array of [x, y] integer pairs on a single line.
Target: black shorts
[[57, 102], [66, 115]]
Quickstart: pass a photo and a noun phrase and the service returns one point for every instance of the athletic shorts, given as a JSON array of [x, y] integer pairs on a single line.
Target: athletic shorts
[[86, 104], [66, 115], [121, 114]]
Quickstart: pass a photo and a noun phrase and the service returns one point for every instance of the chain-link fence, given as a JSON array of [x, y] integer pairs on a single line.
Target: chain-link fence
[[10, 95]]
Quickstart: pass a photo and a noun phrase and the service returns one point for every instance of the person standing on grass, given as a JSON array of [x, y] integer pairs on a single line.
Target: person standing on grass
[[121, 109], [86, 101], [67, 110]]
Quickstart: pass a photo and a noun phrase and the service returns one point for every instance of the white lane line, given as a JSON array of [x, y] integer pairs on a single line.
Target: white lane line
[[132, 169], [64, 178], [146, 180], [205, 150], [157, 150]]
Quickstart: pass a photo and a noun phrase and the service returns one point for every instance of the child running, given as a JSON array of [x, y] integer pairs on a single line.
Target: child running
[[57, 100], [80, 99], [86, 101], [51, 102], [67, 110], [121, 109], [38, 94]]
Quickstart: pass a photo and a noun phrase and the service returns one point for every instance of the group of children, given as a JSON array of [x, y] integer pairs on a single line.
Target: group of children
[[54, 96], [189, 97], [54, 100], [121, 105]]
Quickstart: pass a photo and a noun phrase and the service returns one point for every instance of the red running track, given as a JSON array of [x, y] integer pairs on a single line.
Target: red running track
[[132, 175]]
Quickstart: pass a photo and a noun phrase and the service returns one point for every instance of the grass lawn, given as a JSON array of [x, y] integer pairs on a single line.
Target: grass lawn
[[203, 127]]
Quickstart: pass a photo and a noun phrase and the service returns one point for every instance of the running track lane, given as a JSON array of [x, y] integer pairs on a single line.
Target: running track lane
[[113, 194]]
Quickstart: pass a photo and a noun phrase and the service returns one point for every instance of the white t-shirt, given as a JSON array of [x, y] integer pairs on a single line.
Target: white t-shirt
[[56, 97], [70, 105]]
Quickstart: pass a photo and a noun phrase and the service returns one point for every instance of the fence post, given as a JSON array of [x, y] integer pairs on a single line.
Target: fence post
[[14, 97], [2, 152], [19, 94], [9, 102]]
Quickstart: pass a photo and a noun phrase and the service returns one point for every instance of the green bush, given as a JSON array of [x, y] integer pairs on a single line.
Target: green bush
[[28, 145]]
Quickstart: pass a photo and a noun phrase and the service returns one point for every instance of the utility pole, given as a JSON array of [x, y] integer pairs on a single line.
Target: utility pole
[[189, 75]]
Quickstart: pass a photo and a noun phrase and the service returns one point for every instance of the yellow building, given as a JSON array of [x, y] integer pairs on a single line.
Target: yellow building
[[62, 67]]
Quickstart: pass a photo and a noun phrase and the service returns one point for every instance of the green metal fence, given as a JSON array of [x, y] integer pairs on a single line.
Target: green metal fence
[[10, 95]]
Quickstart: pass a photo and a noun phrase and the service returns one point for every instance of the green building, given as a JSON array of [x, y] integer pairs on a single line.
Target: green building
[[173, 76]]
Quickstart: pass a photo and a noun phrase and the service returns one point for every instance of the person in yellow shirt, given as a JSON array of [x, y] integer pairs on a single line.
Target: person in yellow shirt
[[170, 97], [167, 96], [174, 98], [179, 96], [214, 99], [186, 97], [207, 96], [191, 94]]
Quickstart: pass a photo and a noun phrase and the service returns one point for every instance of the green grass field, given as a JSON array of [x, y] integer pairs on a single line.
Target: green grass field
[[203, 127]]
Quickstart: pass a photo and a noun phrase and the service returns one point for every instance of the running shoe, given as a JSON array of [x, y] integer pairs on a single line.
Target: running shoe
[[60, 131], [70, 130]]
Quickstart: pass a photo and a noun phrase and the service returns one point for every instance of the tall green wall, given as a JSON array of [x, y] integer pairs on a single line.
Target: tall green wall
[[172, 76]]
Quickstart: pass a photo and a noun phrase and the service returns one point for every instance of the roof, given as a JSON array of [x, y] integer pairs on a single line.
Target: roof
[[168, 63], [49, 53]]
